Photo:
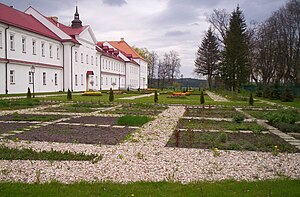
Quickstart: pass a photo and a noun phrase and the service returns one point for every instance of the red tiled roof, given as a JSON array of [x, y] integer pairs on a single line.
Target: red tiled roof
[[67, 29], [105, 53], [123, 46], [24, 21]]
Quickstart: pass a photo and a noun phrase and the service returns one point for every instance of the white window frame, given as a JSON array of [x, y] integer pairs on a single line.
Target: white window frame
[[87, 59], [81, 57], [0, 39], [43, 48], [23, 44], [76, 56], [76, 80], [44, 78], [30, 77], [96, 61], [82, 79], [33, 47], [96, 80], [57, 53], [12, 76], [92, 60], [12, 41]]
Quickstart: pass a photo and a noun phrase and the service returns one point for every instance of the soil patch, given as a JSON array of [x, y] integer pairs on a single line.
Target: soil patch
[[30, 117], [216, 113], [76, 134], [6, 127], [94, 120]]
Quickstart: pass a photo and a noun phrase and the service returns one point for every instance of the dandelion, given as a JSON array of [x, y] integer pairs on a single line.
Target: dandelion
[[132, 194]]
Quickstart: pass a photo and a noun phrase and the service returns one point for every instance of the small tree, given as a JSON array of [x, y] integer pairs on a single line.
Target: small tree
[[251, 100], [111, 95], [202, 98], [287, 95], [155, 96], [69, 95], [28, 93]]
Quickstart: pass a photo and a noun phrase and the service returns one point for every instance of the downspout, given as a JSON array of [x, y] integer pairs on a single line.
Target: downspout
[[100, 75], [72, 67], [63, 67], [7, 61]]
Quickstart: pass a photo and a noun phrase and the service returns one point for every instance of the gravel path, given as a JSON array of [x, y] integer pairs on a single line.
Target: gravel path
[[145, 158], [216, 97], [135, 97]]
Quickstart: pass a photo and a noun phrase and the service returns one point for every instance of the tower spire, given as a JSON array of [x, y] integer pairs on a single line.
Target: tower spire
[[76, 22]]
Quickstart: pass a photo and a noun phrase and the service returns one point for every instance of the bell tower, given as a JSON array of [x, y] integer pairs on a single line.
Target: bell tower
[[76, 22]]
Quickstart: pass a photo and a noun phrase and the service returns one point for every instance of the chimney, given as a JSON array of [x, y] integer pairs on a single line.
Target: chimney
[[122, 39], [55, 18]]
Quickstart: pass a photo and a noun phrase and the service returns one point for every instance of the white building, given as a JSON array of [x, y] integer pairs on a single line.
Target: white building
[[39, 51]]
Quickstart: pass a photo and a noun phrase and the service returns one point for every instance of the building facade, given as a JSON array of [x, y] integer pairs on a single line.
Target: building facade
[[40, 52]]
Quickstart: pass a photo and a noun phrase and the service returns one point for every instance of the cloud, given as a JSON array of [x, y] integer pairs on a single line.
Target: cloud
[[117, 3], [176, 33]]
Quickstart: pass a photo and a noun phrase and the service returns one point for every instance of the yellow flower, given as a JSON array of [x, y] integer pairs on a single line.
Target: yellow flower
[[276, 147], [132, 194]]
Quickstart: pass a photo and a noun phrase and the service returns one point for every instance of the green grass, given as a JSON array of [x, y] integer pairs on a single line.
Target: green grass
[[28, 154], [129, 120], [220, 125], [216, 113], [18, 104], [295, 103], [275, 188], [25, 94]]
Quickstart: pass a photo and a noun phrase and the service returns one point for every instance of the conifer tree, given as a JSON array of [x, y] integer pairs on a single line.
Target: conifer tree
[[202, 98], [69, 95], [236, 69], [251, 100], [28, 93], [155, 96], [208, 56], [111, 95]]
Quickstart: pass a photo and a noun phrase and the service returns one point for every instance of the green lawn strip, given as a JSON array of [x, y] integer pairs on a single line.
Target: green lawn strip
[[28, 154], [42, 118], [216, 113], [18, 104], [130, 120], [275, 188], [25, 94], [219, 125], [230, 141], [295, 103]]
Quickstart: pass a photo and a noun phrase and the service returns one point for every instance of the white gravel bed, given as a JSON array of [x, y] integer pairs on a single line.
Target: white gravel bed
[[216, 97], [135, 97]]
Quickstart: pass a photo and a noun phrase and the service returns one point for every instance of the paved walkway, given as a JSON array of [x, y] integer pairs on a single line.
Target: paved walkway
[[216, 97], [135, 97]]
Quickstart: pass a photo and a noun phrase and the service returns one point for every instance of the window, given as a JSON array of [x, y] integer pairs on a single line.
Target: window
[[92, 60], [23, 44], [87, 59], [76, 80], [44, 78], [96, 61], [0, 39], [82, 79], [30, 77], [81, 57], [57, 52], [76, 58], [12, 77], [96, 80], [55, 79], [106, 64], [43, 49], [33, 47], [50, 51], [101, 82], [106, 81], [12, 42]]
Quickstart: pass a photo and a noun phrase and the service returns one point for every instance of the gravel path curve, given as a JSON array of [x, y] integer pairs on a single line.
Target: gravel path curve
[[216, 97]]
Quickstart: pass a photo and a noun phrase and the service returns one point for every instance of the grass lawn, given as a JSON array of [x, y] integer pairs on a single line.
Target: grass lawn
[[215, 113], [229, 141], [25, 94], [79, 107], [276, 188], [18, 104], [138, 109], [28, 154], [295, 103], [219, 125], [42, 118]]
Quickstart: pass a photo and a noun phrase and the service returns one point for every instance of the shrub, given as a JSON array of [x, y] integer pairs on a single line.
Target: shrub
[[287, 95], [238, 118], [281, 116], [266, 92], [259, 91], [130, 120], [251, 100], [222, 137], [202, 98], [28, 93], [111, 95], [275, 94], [234, 146], [69, 95], [155, 96], [286, 127], [91, 94], [250, 147]]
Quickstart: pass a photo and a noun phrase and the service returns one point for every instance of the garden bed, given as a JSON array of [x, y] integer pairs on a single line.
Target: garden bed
[[18, 104], [138, 109], [6, 127], [76, 134], [216, 113], [219, 125], [78, 108], [30, 117], [229, 141], [94, 120]]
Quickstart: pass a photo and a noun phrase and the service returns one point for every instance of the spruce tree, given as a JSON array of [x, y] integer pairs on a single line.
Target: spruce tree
[[251, 100], [69, 95], [236, 69], [155, 96], [111, 95], [208, 56], [28, 93]]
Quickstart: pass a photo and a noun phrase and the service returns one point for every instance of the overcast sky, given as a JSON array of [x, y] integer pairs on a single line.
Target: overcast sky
[[160, 25]]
